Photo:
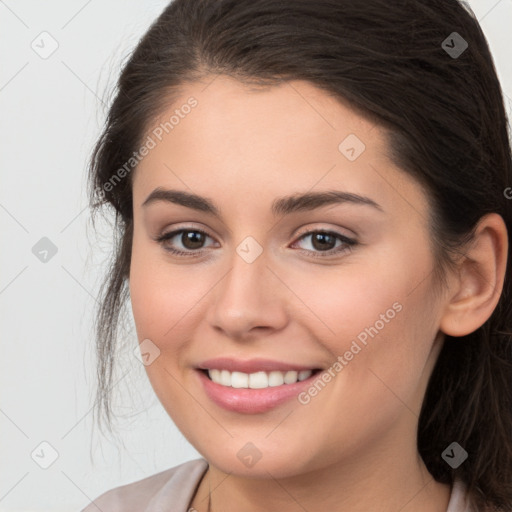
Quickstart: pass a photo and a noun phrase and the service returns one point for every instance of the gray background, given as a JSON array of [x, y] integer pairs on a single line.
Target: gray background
[[51, 111]]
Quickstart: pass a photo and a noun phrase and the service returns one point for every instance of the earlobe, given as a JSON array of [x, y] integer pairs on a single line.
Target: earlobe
[[476, 290]]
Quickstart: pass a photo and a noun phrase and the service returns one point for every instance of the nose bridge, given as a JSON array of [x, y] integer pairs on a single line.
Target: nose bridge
[[248, 295], [245, 285]]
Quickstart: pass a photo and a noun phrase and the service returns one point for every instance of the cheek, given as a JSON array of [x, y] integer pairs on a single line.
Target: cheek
[[167, 300], [379, 378], [378, 317], [163, 309], [342, 303]]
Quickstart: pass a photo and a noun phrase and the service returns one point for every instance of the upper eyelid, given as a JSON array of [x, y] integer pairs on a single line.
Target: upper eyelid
[[176, 231], [334, 231], [301, 231]]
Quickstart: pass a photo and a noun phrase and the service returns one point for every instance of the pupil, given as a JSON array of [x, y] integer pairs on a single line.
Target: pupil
[[322, 238], [192, 239]]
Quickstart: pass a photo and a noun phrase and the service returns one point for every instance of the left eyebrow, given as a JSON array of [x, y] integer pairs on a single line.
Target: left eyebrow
[[313, 200], [281, 206]]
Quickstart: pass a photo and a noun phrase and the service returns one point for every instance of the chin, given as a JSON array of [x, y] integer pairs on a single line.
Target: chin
[[256, 460]]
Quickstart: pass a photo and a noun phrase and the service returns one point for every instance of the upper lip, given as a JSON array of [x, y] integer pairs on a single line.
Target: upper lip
[[251, 365]]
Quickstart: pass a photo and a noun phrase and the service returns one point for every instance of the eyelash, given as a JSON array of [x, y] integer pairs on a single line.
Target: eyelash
[[349, 243]]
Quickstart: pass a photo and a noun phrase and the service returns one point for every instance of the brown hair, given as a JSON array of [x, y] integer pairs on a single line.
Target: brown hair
[[448, 129]]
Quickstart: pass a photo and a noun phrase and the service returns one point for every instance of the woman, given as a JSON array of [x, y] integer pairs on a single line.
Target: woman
[[313, 225]]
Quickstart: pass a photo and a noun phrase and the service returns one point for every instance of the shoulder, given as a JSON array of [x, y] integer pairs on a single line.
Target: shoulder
[[173, 487], [461, 501]]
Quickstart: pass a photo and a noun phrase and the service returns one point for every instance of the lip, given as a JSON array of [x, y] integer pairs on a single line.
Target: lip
[[251, 365], [251, 401]]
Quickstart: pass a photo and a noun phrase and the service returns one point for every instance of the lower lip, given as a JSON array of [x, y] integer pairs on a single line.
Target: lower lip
[[252, 401]]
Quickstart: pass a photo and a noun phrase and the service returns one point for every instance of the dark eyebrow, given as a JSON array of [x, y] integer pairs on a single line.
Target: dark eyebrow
[[184, 199], [313, 200], [282, 206]]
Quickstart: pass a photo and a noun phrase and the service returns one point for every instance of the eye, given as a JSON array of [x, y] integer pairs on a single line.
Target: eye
[[323, 243], [191, 240]]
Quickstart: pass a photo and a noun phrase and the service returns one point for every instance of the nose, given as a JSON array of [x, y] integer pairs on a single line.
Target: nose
[[248, 299]]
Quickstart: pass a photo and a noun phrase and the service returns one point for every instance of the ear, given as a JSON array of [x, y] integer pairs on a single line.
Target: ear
[[475, 291]]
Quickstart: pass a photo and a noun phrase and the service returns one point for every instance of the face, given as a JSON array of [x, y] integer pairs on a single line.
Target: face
[[323, 306]]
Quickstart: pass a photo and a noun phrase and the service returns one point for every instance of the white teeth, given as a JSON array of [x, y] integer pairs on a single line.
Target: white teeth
[[215, 374], [239, 380], [258, 380], [290, 377], [304, 374], [225, 378], [275, 379]]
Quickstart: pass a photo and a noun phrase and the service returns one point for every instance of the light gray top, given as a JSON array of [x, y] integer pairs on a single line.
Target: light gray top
[[172, 491]]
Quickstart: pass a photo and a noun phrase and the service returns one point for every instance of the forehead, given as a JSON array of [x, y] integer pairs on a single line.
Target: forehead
[[261, 141], [291, 111]]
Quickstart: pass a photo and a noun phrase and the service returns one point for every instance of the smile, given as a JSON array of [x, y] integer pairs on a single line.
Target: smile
[[255, 392], [257, 380]]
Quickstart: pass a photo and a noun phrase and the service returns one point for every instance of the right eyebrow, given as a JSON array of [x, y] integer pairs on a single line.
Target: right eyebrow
[[182, 198]]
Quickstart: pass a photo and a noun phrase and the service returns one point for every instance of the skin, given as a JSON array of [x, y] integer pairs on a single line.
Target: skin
[[353, 446]]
